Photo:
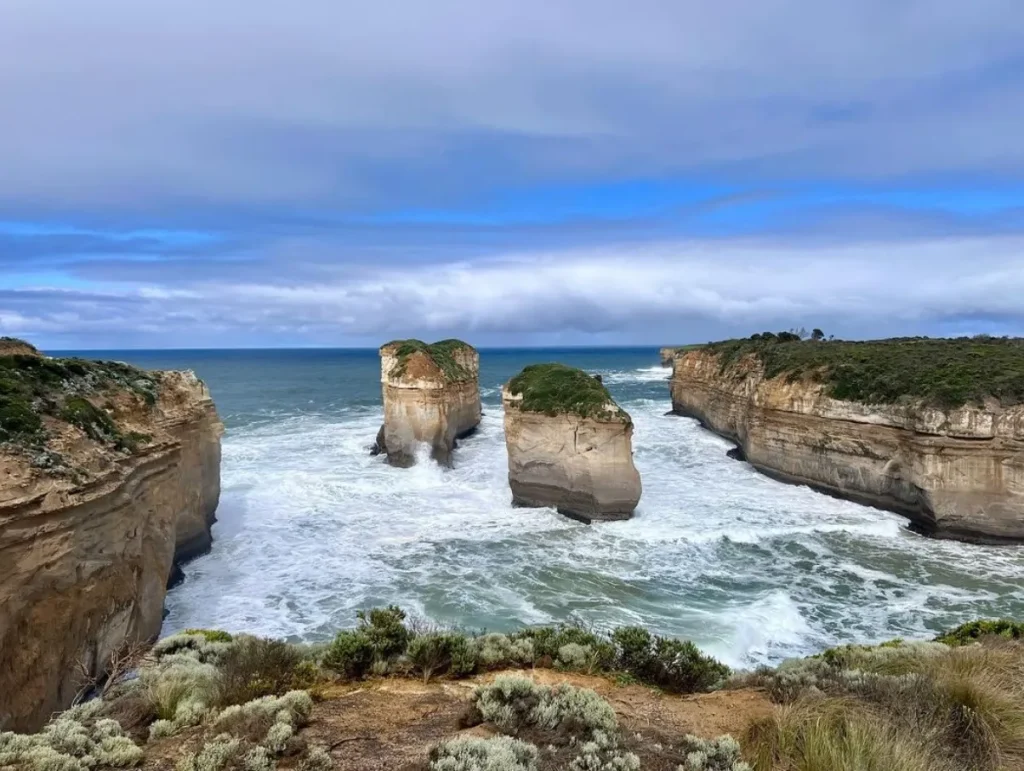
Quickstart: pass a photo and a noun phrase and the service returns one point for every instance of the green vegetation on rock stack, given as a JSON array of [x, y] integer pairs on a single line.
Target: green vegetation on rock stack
[[33, 387], [945, 373], [556, 389], [442, 353]]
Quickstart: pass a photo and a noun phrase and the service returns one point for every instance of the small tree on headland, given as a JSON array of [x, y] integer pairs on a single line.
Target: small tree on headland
[[817, 334]]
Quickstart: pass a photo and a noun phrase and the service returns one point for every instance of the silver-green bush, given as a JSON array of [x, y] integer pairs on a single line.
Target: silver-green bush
[[721, 754], [512, 701], [500, 753]]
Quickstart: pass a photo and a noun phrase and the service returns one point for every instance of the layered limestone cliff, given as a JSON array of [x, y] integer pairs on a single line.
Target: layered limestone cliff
[[108, 476], [954, 471], [570, 446], [431, 397], [667, 356]]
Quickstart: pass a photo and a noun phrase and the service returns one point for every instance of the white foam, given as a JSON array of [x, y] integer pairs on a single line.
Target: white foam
[[311, 528]]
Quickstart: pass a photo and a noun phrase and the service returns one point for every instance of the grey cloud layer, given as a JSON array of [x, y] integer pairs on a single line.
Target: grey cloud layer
[[665, 291], [323, 104]]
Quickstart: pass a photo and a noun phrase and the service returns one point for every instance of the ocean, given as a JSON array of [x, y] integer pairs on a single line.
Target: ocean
[[312, 528]]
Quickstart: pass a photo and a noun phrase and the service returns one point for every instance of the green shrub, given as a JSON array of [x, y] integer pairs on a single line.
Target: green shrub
[[386, 630], [976, 630], [512, 703], [317, 759], [586, 658], [18, 419], [601, 753], [215, 755], [65, 744], [437, 653], [495, 651], [442, 353], [470, 753], [253, 667], [674, 665], [211, 635], [557, 389], [350, 654], [95, 422], [721, 754], [548, 640]]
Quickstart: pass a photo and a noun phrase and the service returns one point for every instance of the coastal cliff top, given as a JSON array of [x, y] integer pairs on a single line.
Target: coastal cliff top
[[421, 359], [557, 389], [64, 416], [941, 372]]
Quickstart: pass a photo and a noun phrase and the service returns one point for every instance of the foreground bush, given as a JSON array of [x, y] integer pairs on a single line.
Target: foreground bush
[[512, 703], [66, 744], [674, 665], [475, 754]]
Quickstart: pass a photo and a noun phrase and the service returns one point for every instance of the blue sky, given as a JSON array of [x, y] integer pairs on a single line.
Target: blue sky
[[196, 174]]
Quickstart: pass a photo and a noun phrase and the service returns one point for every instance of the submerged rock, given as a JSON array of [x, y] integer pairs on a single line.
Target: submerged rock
[[569, 444], [431, 396], [115, 480]]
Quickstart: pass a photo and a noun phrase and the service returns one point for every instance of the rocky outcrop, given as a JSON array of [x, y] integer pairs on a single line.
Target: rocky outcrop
[[667, 356], [955, 473], [431, 397], [569, 445], [97, 503]]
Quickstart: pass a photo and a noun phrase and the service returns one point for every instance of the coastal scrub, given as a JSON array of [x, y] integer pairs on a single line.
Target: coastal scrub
[[442, 353], [557, 389]]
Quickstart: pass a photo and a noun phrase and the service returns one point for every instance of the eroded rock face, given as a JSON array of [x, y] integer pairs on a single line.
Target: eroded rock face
[[667, 355], [581, 466], [955, 473], [85, 555], [431, 397]]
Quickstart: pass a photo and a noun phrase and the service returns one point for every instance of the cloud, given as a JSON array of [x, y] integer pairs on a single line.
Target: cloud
[[689, 290], [317, 104]]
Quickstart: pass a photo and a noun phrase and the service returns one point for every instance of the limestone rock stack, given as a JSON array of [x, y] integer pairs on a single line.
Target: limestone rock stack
[[569, 444], [108, 475], [431, 397], [955, 472]]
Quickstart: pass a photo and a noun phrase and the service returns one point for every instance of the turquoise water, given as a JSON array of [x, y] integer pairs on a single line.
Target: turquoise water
[[312, 528]]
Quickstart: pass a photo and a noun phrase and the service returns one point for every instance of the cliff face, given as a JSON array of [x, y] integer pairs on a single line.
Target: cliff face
[[580, 464], [90, 528], [667, 355], [431, 396], [956, 473]]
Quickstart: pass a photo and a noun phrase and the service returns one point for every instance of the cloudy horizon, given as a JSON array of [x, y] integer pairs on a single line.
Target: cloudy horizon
[[216, 175]]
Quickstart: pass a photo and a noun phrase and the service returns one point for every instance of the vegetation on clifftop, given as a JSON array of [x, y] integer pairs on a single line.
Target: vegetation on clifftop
[[945, 373], [557, 389], [33, 387], [205, 700], [442, 353]]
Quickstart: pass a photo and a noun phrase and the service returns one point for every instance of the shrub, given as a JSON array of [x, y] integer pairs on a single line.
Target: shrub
[[977, 630], [547, 640], [721, 754], [385, 630], [317, 759], [513, 702], [495, 651], [350, 654], [210, 635], [215, 755], [65, 744], [602, 753], [255, 718], [437, 653], [470, 753], [586, 658], [556, 389], [674, 665], [253, 667]]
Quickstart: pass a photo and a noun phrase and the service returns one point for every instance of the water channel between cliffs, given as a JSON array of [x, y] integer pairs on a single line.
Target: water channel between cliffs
[[312, 528]]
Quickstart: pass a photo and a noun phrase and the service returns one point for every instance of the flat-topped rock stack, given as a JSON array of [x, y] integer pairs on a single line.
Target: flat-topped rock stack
[[431, 397], [569, 444]]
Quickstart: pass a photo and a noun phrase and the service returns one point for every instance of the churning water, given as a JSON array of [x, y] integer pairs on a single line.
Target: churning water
[[311, 528]]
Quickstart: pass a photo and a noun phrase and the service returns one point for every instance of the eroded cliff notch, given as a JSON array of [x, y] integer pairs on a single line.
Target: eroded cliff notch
[[431, 397], [108, 474], [570, 446]]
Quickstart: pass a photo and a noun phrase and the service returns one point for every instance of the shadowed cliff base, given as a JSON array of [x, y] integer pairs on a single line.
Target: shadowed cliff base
[[955, 471]]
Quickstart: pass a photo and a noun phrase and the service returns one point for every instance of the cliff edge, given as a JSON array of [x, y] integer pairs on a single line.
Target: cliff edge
[[570, 446], [108, 476], [932, 429], [431, 396]]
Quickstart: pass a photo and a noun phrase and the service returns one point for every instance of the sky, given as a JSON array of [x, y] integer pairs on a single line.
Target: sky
[[197, 174]]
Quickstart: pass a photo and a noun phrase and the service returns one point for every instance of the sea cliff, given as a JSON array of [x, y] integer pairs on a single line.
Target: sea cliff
[[931, 429], [569, 445], [431, 397], [108, 477]]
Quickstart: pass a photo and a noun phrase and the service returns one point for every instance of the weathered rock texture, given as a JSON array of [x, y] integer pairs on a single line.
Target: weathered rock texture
[[581, 466], [956, 473], [86, 552], [667, 356], [431, 397]]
